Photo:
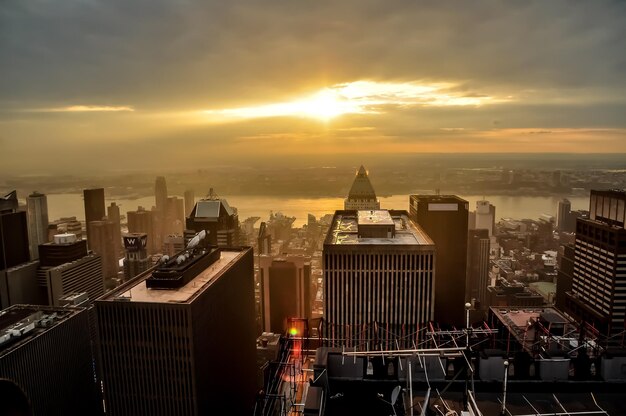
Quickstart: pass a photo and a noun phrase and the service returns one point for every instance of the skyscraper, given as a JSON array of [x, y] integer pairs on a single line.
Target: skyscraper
[[136, 260], [37, 208], [598, 294], [103, 243], [94, 207], [361, 195], [379, 277], [214, 215], [160, 194], [190, 201], [113, 215], [9, 202], [142, 221], [444, 219], [181, 339], [81, 275], [563, 215], [286, 289], [478, 266], [14, 248], [485, 213], [47, 352]]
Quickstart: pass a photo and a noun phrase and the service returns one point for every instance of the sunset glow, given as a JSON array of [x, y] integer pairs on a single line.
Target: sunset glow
[[361, 97]]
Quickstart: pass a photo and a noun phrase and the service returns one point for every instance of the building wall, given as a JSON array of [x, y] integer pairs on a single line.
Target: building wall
[[94, 206], [225, 341], [55, 370], [84, 275], [392, 286], [478, 265], [146, 352], [37, 208], [599, 284], [192, 358], [444, 218]]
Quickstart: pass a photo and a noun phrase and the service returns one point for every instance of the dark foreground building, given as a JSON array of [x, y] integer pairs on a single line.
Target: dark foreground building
[[47, 352], [598, 293], [444, 218], [180, 339]]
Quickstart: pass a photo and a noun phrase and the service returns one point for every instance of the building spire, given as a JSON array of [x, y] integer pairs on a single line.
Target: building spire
[[361, 195]]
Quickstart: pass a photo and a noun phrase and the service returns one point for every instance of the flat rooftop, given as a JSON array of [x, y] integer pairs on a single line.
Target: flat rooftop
[[136, 290], [344, 229], [374, 217], [21, 323]]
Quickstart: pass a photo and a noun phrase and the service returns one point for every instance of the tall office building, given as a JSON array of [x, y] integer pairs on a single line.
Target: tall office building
[[598, 294], [216, 217], [102, 242], [94, 207], [160, 194], [14, 248], [18, 284], [379, 277], [64, 248], [565, 275], [563, 215], [80, 275], [175, 216], [286, 289], [444, 219], [142, 221], [478, 266], [136, 260], [37, 209], [47, 352], [361, 195], [264, 240], [180, 339], [485, 216], [113, 215], [190, 201], [9, 202]]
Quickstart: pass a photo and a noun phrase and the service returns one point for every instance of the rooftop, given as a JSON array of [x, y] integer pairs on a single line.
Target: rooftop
[[344, 228], [137, 291], [374, 217], [21, 323]]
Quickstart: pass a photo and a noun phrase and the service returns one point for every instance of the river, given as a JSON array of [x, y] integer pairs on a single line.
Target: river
[[67, 205]]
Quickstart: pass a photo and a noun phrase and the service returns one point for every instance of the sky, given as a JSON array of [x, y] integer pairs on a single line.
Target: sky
[[95, 84]]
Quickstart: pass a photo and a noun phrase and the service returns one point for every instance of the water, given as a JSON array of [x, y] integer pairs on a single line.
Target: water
[[67, 205]]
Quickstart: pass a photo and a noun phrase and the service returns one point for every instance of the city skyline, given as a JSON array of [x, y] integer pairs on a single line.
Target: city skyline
[[190, 80]]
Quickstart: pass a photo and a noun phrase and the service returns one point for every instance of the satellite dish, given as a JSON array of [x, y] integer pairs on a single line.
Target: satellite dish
[[394, 394]]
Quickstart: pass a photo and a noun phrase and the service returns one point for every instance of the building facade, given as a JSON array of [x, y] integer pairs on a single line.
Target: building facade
[[598, 294], [37, 208], [478, 267], [379, 277], [47, 352], [444, 219], [136, 259], [180, 339], [94, 207]]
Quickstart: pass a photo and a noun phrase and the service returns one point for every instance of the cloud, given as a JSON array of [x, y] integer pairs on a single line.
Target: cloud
[[84, 109], [360, 97]]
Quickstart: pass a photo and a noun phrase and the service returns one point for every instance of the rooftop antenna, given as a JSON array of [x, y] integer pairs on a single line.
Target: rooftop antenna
[[506, 378]]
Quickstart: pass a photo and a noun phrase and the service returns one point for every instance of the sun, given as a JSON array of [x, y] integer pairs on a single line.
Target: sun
[[324, 105]]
